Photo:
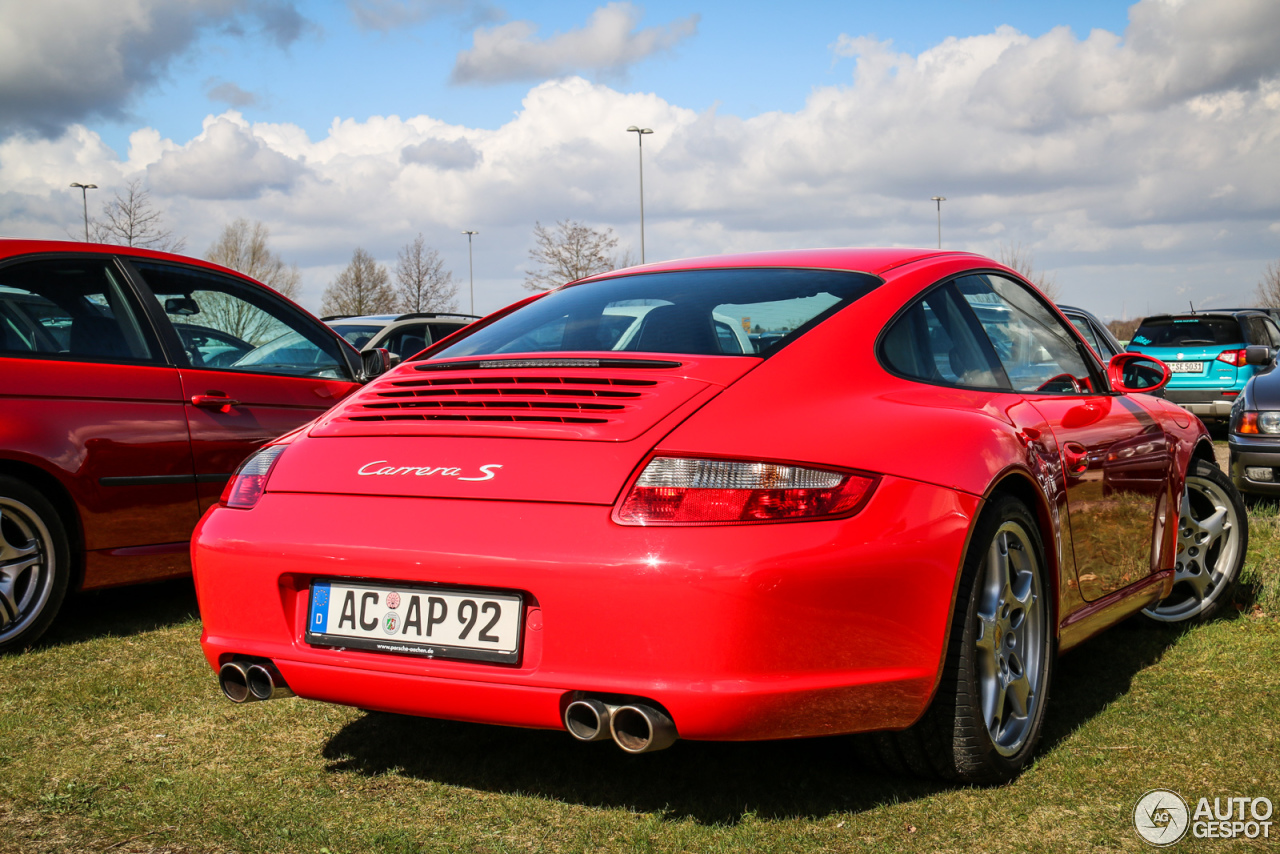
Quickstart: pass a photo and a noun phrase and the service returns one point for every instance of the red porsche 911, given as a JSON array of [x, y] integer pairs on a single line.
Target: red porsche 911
[[761, 496]]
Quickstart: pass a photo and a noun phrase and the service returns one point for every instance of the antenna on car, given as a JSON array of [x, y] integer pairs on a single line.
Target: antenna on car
[[1193, 306]]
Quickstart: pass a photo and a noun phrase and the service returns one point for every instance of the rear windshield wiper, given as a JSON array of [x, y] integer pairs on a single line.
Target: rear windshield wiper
[[1186, 341]]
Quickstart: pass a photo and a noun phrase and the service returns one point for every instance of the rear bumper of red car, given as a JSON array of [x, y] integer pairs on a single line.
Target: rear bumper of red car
[[742, 632]]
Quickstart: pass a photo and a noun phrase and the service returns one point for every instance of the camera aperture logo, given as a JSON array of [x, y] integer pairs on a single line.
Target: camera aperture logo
[[1161, 817]]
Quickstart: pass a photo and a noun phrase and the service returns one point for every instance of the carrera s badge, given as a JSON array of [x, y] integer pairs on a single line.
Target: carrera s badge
[[424, 471]]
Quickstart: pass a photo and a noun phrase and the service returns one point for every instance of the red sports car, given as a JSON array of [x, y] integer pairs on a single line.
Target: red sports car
[[750, 497]]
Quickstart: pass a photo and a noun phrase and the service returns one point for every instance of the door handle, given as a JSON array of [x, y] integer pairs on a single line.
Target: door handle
[[1075, 459], [214, 401]]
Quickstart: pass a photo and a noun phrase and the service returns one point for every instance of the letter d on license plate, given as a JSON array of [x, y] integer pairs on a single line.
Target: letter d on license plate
[[436, 622]]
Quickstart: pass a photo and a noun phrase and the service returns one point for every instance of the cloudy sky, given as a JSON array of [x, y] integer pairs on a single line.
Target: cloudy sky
[[1133, 149]]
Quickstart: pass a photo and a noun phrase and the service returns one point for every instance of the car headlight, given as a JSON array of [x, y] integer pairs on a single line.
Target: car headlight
[[685, 491], [1259, 422]]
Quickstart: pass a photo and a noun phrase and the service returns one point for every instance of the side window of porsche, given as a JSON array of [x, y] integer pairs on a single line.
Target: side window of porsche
[[936, 340], [1037, 352]]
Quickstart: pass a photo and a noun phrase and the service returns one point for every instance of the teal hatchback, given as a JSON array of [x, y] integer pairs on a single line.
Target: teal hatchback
[[1205, 352]]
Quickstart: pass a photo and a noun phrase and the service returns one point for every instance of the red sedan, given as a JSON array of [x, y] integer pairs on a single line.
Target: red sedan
[[751, 497], [132, 384]]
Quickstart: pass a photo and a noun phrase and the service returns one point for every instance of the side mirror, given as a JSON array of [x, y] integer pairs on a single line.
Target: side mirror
[[374, 363], [1134, 372], [1259, 355]]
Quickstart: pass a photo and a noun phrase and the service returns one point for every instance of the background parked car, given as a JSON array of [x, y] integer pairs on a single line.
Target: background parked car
[[1253, 439], [1206, 353], [1093, 330], [132, 384], [401, 334]]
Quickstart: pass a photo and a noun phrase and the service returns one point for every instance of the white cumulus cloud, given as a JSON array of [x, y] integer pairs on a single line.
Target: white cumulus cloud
[[610, 42], [65, 61]]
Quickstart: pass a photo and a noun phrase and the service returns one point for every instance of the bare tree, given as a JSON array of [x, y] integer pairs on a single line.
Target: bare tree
[[1268, 291], [130, 219], [1124, 329], [243, 246], [569, 252], [1015, 256], [422, 282], [362, 288]]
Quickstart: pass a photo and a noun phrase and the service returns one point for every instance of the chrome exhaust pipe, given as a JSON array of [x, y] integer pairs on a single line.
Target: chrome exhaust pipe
[[266, 683], [233, 679], [638, 728], [588, 720]]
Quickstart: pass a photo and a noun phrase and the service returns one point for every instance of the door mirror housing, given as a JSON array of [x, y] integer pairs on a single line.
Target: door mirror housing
[[1258, 355], [374, 363], [1137, 373]]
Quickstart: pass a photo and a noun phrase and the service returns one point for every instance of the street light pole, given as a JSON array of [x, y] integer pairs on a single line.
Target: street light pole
[[640, 132], [84, 197], [939, 200], [471, 270]]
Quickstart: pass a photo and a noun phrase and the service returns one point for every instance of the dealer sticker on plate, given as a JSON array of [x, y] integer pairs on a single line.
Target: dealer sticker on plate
[[435, 622]]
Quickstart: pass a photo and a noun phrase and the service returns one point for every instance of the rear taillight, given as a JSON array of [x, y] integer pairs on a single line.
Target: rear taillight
[[1232, 357], [250, 480], [683, 491]]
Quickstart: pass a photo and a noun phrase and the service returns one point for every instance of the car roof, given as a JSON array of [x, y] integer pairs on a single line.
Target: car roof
[[388, 319], [14, 246], [865, 260], [1213, 312]]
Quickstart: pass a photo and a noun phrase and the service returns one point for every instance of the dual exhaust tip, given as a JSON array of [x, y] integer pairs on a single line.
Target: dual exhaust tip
[[635, 727], [248, 682]]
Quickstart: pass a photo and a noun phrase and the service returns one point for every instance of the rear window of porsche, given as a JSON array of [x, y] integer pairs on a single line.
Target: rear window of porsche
[[746, 312], [1188, 331]]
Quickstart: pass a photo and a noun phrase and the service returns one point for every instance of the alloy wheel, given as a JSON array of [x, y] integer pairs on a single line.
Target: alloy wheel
[[1010, 638], [27, 570]]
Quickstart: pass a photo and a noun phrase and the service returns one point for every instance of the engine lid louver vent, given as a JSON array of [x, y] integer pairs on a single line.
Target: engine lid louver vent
[[529, 398]]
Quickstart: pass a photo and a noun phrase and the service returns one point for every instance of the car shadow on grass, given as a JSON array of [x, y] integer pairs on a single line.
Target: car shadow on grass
[[712, 783], [121, 612]]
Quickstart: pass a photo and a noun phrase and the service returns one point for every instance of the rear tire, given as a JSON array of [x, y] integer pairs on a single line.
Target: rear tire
[[986, 718], [34, 564], [1213, 537]]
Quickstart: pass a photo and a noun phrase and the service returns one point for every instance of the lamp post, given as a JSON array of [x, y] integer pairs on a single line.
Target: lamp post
[[84, 197], [939, 200], [640, 132], [471, 270]]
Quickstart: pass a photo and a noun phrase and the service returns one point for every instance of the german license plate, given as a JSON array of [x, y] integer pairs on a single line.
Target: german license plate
[[1185, 367], [435, 622]]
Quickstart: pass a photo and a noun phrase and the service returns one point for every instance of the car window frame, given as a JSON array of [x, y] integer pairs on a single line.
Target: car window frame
[[135, 300], [1099, 381], [1097, 370], [975, 327], [351, 358]]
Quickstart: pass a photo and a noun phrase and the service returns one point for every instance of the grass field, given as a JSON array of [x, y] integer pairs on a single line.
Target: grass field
[[114, 738]]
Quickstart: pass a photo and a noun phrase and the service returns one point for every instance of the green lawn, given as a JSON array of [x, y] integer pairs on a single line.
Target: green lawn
[[114, 737]]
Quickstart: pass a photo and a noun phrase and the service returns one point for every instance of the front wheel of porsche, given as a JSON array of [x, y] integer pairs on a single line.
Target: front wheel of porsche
[[986, 716], [1213, 536], [34, 564]]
